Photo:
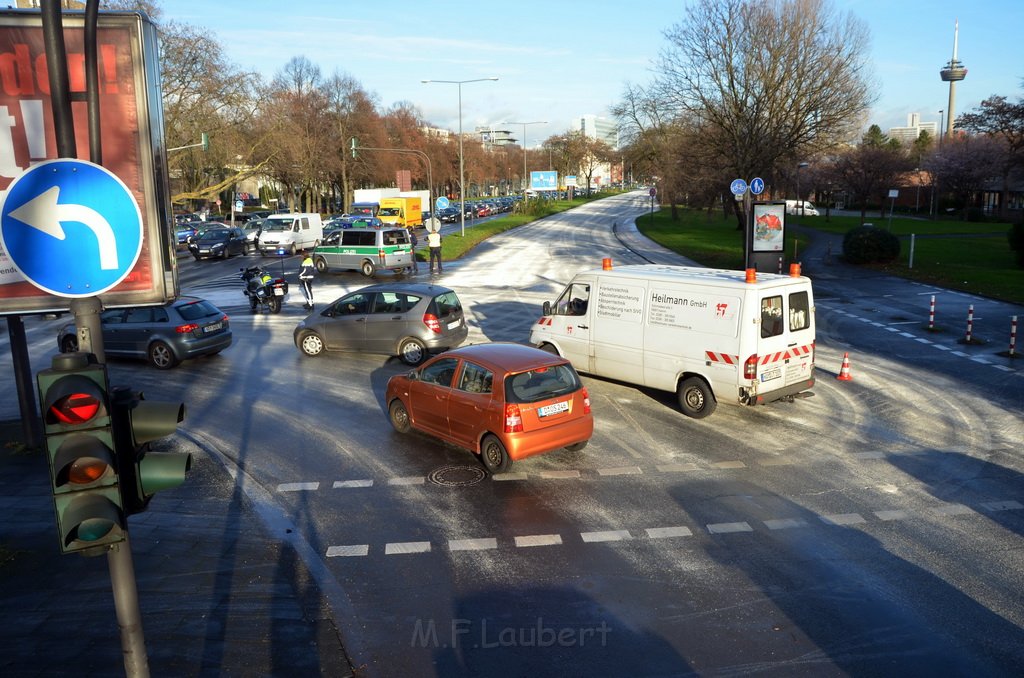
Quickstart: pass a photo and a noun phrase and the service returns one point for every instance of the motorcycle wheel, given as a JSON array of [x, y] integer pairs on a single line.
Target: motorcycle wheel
[[275, 304]]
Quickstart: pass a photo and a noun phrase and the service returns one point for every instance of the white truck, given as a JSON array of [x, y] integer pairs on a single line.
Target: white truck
[[290, 232], [708, 335]]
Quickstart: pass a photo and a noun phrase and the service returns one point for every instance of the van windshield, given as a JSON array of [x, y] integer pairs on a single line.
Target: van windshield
[[277, 225]]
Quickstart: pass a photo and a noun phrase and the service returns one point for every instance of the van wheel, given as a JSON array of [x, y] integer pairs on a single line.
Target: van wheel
[[696, 399], [412, 351], [494, 456], [399, 416], [549, 348], [367, 268], [293, 249]]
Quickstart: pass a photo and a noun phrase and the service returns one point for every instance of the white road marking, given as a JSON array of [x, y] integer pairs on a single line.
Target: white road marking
[[539, 540], [403, 547], [349, 550], [297, 487], [892, 515], [726, 528], [408, 480], [352, 483], [606, 535], [473, 544], [843, 519], [785, 523], [619, 471], [559, 474], [953, 510], [729, 464], [677, 468], [509, 476], [667, 532], [869, 455]]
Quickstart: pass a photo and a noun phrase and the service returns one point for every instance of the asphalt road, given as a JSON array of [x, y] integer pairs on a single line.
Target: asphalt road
[[874, 528]]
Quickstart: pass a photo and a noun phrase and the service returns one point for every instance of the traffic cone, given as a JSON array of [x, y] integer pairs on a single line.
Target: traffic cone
[[844, 371]]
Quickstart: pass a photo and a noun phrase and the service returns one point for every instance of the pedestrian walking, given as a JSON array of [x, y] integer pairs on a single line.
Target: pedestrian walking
[[434, 244], [306, 273], [415, 241]]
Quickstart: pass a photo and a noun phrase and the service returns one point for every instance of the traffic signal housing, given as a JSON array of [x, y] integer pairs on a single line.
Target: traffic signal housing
[[74, 400], [136, 423]]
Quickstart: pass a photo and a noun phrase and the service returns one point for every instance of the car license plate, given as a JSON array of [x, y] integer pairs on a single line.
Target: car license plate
[[454, 324], [555, 408], [213, 327], [771, 374], [278, 291]]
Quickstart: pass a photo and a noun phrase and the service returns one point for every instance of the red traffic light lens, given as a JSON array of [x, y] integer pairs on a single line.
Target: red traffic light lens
[[76, 408]]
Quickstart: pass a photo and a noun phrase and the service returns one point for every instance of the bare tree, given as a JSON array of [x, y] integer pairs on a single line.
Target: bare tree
[[1004, 121], [963, 165], [868, 170], [766, 82]]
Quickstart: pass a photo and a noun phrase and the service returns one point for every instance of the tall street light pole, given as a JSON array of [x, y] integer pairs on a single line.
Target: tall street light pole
[[800, 201], [462, 164], [526, 175]]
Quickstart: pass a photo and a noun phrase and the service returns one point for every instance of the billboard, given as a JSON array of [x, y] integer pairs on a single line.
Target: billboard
[[544, 181], [769, 230], [131, 133]]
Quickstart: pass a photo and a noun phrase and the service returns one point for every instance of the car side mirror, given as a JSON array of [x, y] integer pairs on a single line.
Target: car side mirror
[[413, 375], [546, 309]]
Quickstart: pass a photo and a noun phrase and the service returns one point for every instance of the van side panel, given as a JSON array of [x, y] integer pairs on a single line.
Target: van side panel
[[617, 329], [694, 330]]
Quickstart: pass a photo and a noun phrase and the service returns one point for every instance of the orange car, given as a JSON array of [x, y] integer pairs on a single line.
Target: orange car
[[503, 401]]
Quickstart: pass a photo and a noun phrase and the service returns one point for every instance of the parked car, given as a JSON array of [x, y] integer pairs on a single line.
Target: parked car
[[217, 241], [502, 401], [186, 230], [164, 335], [251, 231], [405, 319], [448, 215]]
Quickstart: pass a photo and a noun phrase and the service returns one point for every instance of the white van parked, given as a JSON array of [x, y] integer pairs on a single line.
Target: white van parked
[[801, 208], [708, 335], [291, 232]]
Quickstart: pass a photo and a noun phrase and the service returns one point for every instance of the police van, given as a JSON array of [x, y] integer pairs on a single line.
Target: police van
[[366, 249], [708, 335]]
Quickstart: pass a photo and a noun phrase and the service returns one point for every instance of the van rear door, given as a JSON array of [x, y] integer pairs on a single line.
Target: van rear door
[[786, 343]]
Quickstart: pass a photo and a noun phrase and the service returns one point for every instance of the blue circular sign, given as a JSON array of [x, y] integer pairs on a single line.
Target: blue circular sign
[[757, 185], [71, 227], [738, 187], [442, 202]]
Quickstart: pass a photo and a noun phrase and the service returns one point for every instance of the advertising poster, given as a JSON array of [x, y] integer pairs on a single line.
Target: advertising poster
[[131, 135], [769, 227]]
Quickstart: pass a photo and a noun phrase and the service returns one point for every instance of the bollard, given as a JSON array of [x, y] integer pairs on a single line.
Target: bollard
[[931, 315], [1013, 335], [970, 323]]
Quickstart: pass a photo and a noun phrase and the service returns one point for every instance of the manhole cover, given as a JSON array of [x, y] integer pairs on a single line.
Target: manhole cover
[[457, 476]]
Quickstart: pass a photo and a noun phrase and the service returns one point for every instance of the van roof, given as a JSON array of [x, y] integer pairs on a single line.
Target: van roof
[[692, 274]]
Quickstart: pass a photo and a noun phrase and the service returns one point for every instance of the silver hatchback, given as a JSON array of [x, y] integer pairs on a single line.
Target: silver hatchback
[[409, 320]]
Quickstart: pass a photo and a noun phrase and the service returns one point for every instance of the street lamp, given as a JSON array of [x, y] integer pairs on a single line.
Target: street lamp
[[799, 201], [462, 164], [526, 174], [942, 119]]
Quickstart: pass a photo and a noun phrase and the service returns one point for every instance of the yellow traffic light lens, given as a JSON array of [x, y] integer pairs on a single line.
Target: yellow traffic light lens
[[86, 470], [76, 408]]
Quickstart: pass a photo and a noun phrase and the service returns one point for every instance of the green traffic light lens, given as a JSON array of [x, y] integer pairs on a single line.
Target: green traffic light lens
[[93, 529]]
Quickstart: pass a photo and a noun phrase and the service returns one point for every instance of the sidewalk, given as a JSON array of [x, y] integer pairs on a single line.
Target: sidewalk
[[218, 595]]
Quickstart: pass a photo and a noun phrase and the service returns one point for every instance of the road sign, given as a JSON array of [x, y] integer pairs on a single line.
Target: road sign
[[738, 187], [442, 202], [653, 191], [71, 227], [239, 205], [757, 186]]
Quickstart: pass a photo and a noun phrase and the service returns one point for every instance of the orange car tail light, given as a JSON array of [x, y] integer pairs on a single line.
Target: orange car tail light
[[586, 401], [513, 418], [186, 329], [431, 321]]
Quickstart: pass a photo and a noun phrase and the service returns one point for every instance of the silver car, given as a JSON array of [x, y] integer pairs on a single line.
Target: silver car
[[409, 320], [164, 335]]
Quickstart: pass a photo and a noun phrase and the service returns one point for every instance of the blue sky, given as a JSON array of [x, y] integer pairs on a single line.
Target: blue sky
[[558, 60]]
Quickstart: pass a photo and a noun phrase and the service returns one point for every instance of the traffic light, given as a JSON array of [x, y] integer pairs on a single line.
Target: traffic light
[[74, 400], [205, 141], [137, 422], [353, 147]]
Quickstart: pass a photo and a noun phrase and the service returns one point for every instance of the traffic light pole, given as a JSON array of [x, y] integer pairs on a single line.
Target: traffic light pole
[[86, 310]]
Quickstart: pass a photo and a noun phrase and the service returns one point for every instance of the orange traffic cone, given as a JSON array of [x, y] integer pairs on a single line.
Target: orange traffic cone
[[844, 371]]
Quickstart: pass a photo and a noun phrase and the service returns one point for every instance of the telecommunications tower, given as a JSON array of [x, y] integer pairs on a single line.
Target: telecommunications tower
[[953, 73]]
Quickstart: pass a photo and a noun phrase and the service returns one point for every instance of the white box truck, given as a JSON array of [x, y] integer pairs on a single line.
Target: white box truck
[[708, 335]]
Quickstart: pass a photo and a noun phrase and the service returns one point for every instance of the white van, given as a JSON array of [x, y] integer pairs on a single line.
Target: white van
[[708, 335], [801, 208], [291, 232]]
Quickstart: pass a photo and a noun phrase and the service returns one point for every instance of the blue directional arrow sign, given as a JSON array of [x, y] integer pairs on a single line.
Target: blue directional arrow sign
[[71, 227], [442, 202], [738, 187], [757, 185]]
